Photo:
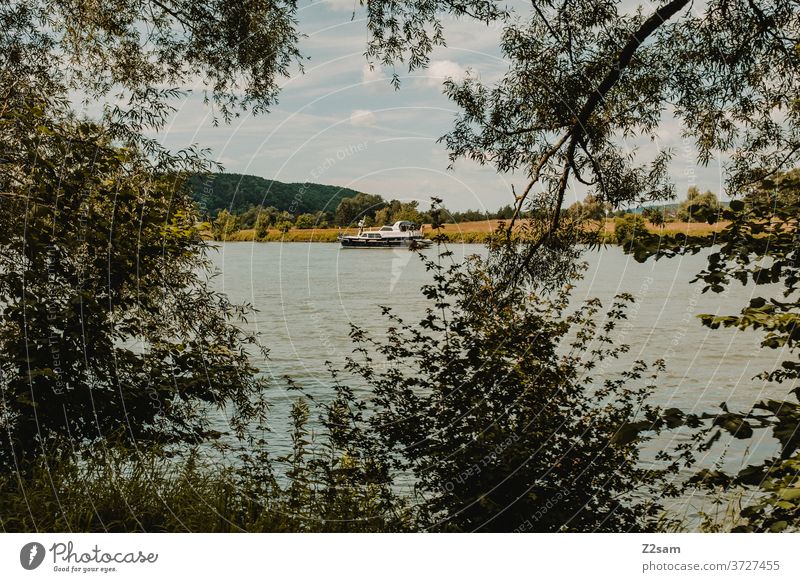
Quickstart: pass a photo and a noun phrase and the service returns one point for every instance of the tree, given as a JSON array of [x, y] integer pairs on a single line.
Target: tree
[[239, 193], [505, 212], [108, 324], [725, 71], [699, 207], [628, 228], [351, 210], [322, 219], [262, 224], [760, 246], [501, 428], [468, 216], [655, 216], [109, 327], [239, 49], [224, 225], [305, 221], [591, 208], [397, 210]]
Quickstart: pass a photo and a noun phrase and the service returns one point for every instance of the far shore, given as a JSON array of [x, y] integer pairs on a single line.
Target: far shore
[[465, 232]]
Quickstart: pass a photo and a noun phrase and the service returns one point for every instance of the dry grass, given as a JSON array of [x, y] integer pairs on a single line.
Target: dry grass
[[689, 228], [478, 231]]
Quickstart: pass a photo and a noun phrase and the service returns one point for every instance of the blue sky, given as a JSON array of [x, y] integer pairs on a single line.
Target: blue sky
[[341, 123]]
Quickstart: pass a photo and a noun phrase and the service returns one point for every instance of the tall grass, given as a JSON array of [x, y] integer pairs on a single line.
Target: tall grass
[[113, 489]]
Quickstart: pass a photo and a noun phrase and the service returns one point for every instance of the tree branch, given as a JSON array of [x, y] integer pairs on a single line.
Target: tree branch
[[535, 175], [578, 129], [649, 26]]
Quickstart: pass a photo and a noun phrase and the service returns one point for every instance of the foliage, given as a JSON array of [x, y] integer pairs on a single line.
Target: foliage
[[407, 31], [106, 305], [108, 323], [628, 228], [262, 223], [759, 246], [100, 49], [728, 72], [779, 510], [397, 210], [258, 215], [114, 488], [306, 221], [240, 193], [655, 216], [762, 245], [699, 207], [224, 225], [591, 208], [351, 210], [261, 219], [503, 429]]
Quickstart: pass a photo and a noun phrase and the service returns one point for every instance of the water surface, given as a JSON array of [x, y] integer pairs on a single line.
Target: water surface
[[308, 295]]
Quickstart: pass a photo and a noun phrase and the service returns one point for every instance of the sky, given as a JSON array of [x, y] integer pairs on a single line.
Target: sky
[[341, 122]]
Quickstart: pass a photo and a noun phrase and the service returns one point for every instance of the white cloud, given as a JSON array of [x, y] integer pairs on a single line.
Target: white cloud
[[341, 5], [439, 71], [362, 118]]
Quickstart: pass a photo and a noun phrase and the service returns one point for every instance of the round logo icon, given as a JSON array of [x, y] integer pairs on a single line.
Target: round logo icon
[[31, 555]]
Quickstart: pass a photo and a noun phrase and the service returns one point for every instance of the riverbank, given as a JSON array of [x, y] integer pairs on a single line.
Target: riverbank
[[464, 233]]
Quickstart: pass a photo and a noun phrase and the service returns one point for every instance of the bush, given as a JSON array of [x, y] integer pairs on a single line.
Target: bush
[[108, 320], [262, 225], [224, 225], [305, 221], [628, 228], [699, 207], [498, 416], [655, 216]]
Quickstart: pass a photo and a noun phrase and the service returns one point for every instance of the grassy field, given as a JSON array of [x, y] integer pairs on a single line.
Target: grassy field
[[464, 232], [689, 228]]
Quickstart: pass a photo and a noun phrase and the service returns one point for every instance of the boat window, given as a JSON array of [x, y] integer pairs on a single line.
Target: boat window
[[386, 228], [373, 235]]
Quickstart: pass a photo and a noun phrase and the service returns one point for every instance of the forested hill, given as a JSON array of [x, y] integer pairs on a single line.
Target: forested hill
[[238, 192]]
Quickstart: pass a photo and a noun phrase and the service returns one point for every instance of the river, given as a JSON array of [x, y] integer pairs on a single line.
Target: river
[[307, 295]]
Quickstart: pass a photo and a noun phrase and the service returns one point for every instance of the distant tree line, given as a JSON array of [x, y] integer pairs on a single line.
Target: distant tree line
[[372, 209], [237, 193], [698, 207]]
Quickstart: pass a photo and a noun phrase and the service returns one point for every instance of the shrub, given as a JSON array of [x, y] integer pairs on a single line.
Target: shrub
[[499, 417], [628, 227]]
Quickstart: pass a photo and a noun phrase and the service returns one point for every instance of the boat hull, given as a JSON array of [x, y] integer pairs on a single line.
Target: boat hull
[[385, 243]]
